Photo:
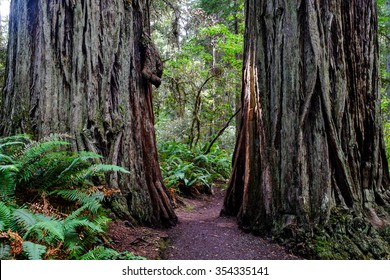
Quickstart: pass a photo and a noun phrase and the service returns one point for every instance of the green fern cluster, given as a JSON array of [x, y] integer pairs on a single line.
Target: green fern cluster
[[183, 169], [9, 168], [48, 165], [102, 253], [72, 236], [51, 171]]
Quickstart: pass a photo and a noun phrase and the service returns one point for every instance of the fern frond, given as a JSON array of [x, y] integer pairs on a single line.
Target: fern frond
[[201, 158], [5, 217], [77, 213], [7, 185], [8, 168], [102, 221], [4, 159], [103, 253], [15, 138], [73, 247], [52, 230], [81, 157], [100, 168], [76, 223], [100, 253], [5, 251], [91, 200], [24, 218], [36, 150], [34, 251]]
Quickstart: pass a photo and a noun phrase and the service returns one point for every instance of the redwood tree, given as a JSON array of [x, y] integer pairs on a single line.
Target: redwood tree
[[310, 142], [75, 67]]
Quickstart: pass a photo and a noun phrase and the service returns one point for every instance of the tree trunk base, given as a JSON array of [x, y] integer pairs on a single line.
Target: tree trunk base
[[346, 237]]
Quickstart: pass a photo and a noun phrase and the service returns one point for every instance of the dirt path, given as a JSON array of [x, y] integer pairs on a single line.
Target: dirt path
[[202, 234]]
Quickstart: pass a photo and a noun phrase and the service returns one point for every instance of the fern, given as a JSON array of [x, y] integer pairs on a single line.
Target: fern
[[36, 150], [7, 185], [4, 159], [82, 157], [77, 212], [34, 251], [183, 168], [5, 217], [24, 219], [50, 231], [100, 168], [5, 251], [92, 201], [102, 253], [75, 223], [15, 138], [48, 167]]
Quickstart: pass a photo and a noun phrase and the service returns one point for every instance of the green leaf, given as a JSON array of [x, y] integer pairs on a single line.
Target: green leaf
[[74, 223], [5, 217], [24, 218], [5, 250], [34, 251], [52, 229]]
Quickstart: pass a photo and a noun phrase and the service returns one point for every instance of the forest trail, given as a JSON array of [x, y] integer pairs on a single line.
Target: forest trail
[[202, 234]]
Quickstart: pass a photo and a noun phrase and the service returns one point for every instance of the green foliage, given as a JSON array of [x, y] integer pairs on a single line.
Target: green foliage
[[54, 173], [33, 251], [226, 10], [384, 43], [184, 169], [102, 253], [90, 201], [202, 70], [387, 140], [50, 167], [74, 235], [5, 217], [8, 166]]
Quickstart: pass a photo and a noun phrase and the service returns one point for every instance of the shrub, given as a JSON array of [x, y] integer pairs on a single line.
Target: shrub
[[189, 172], [50, 172]]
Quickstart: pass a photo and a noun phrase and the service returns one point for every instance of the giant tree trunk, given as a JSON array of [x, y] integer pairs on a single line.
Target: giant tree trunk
[[74, 67], [310, 139]]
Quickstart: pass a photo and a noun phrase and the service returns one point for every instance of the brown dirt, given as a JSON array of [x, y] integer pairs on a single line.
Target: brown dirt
[[141, 241], [201, 234]]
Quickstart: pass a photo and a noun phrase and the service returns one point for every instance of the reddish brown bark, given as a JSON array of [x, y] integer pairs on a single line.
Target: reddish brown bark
[[75, 67], [310, 139]]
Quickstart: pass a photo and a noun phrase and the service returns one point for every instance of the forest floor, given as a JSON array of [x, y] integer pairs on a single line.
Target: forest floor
[[201, 234]]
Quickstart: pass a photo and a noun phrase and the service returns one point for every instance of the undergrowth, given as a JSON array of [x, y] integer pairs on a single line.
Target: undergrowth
[[190, 172], [385, 105], [50, 203]]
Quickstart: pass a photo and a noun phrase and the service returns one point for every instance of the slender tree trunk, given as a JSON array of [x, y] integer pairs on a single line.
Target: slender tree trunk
[[74, 67], [310, 137]]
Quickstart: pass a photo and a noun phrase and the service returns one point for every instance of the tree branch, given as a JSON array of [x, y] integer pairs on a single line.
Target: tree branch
[[220, 132]]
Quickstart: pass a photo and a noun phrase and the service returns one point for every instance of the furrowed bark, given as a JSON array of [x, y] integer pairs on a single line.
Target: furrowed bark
[[310, 139], [75, 67]]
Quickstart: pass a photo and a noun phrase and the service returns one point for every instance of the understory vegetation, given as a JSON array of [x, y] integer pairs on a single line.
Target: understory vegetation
[[190, 173], [384, 55], [51, 201]]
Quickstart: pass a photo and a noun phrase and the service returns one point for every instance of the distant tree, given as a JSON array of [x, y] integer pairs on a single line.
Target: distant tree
[[3, 48], [74, 67], [310, 141], [225, 10]]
